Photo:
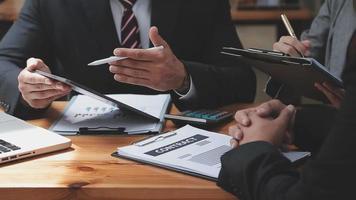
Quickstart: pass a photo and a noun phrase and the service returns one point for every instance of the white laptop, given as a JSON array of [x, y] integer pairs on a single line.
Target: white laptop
[[19, 139]]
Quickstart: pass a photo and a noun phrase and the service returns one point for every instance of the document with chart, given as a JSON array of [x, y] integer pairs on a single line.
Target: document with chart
[[189, 150], [84, 112]]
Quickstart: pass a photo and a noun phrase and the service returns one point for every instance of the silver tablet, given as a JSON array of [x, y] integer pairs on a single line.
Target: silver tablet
[[94, 94]]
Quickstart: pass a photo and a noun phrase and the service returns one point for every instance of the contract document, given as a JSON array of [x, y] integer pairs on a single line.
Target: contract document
[[189, 150]]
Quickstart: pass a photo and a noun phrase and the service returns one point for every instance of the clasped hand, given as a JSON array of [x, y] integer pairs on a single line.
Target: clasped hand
[[271, 122]]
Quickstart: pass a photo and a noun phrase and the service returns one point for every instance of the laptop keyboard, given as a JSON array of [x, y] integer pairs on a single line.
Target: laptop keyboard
[[7, 147]]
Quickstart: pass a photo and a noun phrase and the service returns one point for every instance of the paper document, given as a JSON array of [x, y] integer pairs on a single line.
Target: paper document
[[84, 111], [190, 150]]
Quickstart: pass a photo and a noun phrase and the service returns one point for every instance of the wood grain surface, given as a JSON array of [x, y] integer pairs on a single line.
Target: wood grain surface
[[87, 171]]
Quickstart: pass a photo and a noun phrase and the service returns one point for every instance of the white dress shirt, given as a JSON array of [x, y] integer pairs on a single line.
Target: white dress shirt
[[142, 10]]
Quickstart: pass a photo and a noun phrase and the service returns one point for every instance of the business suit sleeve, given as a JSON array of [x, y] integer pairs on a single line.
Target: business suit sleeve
[[319, 31], [312, 126], [223, 80], [258, 171], [25, 39]]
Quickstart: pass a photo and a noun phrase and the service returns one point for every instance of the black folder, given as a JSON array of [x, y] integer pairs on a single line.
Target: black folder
[[298, 73]]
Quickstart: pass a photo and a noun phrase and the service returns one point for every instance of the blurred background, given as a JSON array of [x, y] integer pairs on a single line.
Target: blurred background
[[258, 22]]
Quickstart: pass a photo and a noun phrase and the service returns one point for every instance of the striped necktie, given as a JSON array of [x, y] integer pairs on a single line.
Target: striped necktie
[[130, 32]]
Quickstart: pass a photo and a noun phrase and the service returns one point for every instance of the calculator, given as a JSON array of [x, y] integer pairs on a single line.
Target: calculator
[[200, 117]]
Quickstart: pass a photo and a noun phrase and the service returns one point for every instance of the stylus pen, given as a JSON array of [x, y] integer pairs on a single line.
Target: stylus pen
[[290, 29], [117, 58]]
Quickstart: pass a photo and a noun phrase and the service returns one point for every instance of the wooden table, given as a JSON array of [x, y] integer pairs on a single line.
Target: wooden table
[[87, 171], [270, 15]]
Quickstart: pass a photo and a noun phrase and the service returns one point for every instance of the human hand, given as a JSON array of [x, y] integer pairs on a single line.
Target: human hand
[[292, 46], [271, 130], [36, 90], [268, 110], [334, 94], [157, 69]]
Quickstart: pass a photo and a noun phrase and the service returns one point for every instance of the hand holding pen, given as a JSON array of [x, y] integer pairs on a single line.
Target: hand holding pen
[[290, 44]]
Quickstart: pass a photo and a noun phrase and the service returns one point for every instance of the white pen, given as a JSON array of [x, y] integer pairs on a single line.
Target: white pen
[[116, 58]]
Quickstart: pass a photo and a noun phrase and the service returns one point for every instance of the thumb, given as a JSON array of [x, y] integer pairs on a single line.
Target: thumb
[[285, 117], [34, 64], [307, 44], [156, 38]]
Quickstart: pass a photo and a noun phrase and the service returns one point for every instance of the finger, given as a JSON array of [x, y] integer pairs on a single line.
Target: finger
[[41, 87], [238, 134], [285, 48], [285, 117], [45, 94], [336, 90], [242, 117], [136, 64], [234, 143], [140, 54], [307, 44], [270, 108], [156, 38], [37, 64], [33, 78], [299, 46], [235, 132], [137, 73], [132, 80], [334, 100]]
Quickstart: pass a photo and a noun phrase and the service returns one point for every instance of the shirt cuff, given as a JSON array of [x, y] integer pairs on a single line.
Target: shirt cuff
[[190, 94]]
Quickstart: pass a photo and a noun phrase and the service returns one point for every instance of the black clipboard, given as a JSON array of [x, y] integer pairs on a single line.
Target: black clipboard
[[297, 73], [96, 95]]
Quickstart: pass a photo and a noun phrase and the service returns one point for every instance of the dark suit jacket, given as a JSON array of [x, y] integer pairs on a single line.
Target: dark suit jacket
[[258, 170], [68, 34]]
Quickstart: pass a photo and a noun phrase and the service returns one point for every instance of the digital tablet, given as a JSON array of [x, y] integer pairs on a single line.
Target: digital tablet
[[96, 95]]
